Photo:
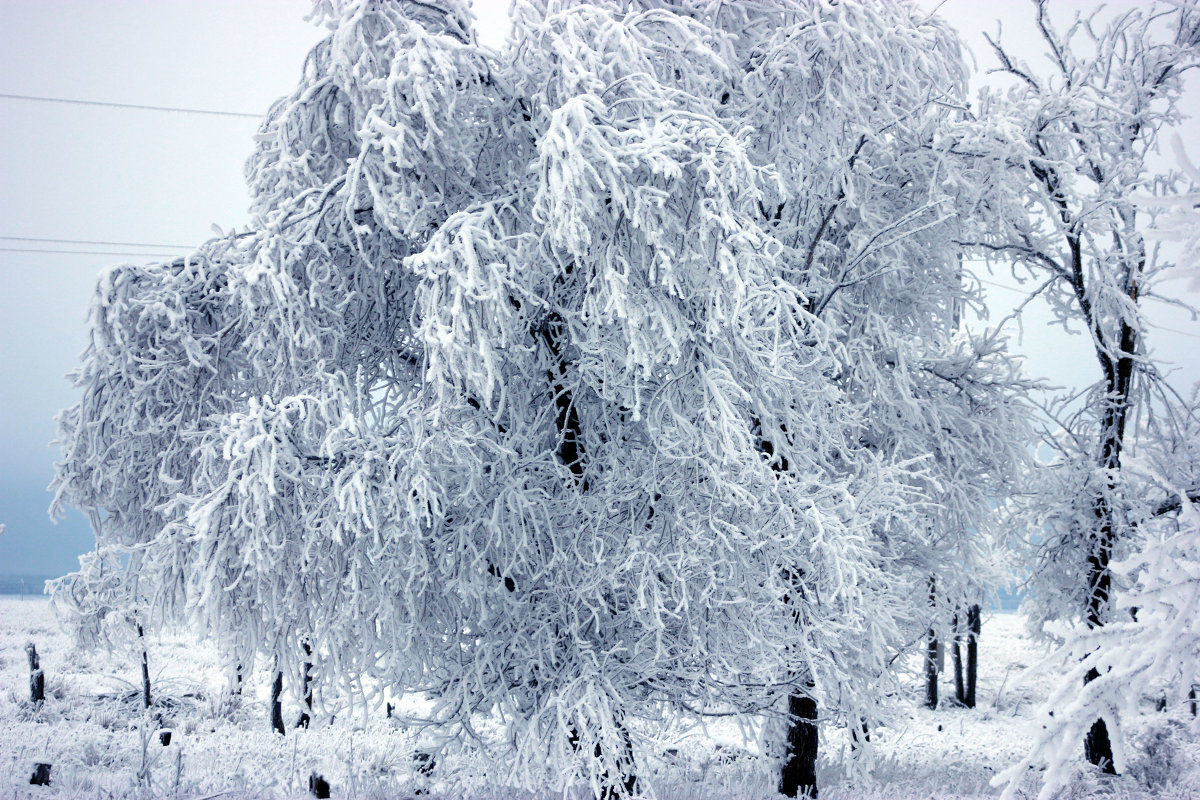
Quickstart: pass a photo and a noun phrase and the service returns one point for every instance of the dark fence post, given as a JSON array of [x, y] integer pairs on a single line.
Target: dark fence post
[[37, 678], [41, 775], [145, 667]]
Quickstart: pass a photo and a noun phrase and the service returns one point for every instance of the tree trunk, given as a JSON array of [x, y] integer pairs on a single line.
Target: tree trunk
[[1119, 382], [318, 787], [1097, 746], [276, 704], [931, 653], [41, 774], [570, 447], [571, 455], [145, 668], [959, 691], [973, 629], [624, 783], [931, 673], [306, 712], [1115, 355], [798, 777], [856, 741]]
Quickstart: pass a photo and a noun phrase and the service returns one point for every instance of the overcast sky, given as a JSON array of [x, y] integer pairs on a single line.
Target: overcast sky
[[161, 178]]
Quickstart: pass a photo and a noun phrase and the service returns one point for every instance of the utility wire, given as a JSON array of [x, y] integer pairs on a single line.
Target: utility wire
[[993, 283], [89, 241], [85, 252], [1172, 330], [139, 107]]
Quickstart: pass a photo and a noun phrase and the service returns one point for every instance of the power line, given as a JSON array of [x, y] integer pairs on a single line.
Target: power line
[[1001, 285], [85, 252], [89, 241], [1172, 330], [137, 106]]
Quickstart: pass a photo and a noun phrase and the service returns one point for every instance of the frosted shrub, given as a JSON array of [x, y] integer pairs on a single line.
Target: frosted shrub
[[1156, 756]]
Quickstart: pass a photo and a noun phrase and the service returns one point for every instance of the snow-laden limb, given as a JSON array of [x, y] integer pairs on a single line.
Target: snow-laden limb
[[1155, 641], [1178, 215]]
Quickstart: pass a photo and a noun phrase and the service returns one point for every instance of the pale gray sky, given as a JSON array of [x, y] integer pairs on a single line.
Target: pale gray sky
[[110, 175], [126, 175]]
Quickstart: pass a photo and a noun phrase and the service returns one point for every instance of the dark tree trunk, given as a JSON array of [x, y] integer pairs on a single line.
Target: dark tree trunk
[[1115, 354], [1096, 745], [1119, 381], [931, 653], [145, 668], [276, 704], [624, 783], [856, 741], [931, 672], [306, 712], [37, 678], [956, 652], [570, 448], [798, 777], [571, 454], [974, 626], [1192, 700]]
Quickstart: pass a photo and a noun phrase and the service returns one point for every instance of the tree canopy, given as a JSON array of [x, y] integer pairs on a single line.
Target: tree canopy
[[618, 370]]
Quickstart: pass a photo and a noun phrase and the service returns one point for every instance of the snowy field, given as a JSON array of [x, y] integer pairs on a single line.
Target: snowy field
[[101, 745]]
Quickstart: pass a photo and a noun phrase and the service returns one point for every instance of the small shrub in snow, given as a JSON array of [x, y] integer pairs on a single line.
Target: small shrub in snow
[[1155, 759]]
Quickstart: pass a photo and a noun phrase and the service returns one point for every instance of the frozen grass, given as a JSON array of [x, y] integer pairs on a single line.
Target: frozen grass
[[103, 745]]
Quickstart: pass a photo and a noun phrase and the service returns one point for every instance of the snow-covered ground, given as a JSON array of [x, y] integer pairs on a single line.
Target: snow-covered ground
[[100, 744]]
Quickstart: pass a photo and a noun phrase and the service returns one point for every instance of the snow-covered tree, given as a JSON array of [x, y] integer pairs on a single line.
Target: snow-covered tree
[[1155, 641], [164, 362], [1070, 147], [615, 369], [101, 605], [850, 104]]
